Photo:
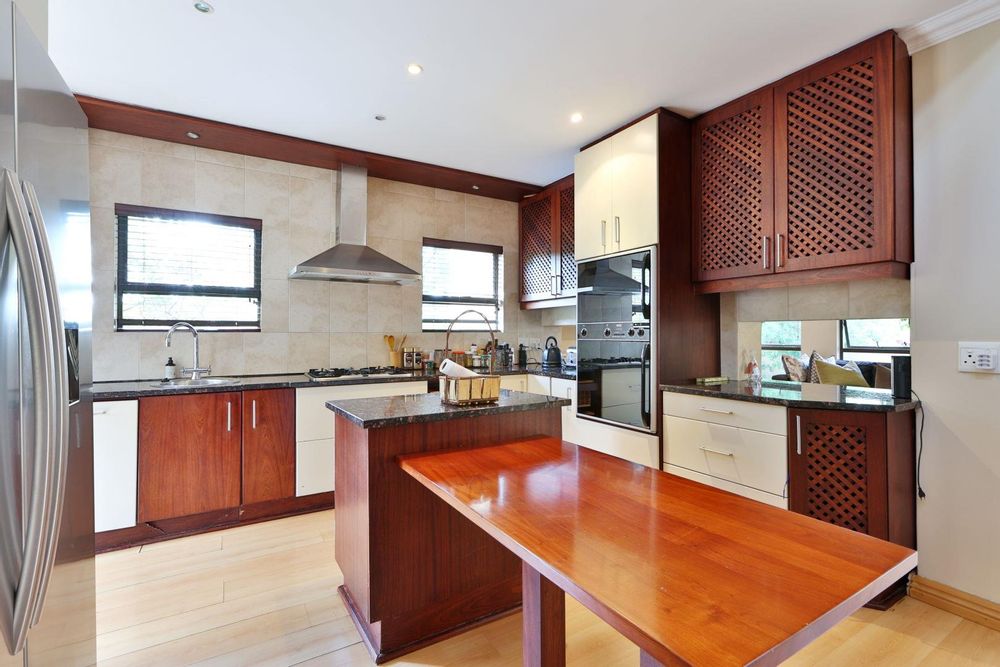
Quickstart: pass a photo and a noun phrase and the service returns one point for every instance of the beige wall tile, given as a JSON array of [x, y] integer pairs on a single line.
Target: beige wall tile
[[104, 301], [311, 221], [410, 189], [219, 189], [818, 302], [308, 350], [448, 195], [103, 229], [348, 308], [311, 173], [266, 196], [224, 352], [308, 306], [376, 352], [265, 353], [219, 157], [153, 354], [729, 335], [168, 148], [115, 176], [116, 356], [168, 181], [115, 139], [264, 164], [762, 305], [879, 298], [384, 303], [275, 260], [274, 305], [349, 350]]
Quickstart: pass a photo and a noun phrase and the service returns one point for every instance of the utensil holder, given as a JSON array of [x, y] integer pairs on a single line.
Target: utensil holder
[[396, 359]]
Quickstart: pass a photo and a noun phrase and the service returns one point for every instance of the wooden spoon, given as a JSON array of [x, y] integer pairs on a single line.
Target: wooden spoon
[[392, 343]]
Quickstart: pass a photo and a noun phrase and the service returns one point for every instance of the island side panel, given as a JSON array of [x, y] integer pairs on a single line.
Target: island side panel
[[432, 570], [351, 523]]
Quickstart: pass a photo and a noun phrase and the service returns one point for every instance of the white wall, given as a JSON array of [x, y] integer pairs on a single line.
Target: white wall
[[955, 281]]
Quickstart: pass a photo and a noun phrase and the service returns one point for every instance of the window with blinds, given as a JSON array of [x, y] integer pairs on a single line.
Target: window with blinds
[[179, 266], [460, 276]]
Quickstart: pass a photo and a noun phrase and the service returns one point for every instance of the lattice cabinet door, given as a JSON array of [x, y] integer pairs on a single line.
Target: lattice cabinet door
[[842, 171], [566, 260], [733, 189], [837, 468], [538, 238]]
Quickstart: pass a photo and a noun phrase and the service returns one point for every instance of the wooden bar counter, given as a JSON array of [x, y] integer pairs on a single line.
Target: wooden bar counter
[[415, 570], [693, 575]]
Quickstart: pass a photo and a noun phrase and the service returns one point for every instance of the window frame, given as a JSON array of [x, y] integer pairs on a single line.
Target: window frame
[[846, 347], [496, 302], [122, 285]]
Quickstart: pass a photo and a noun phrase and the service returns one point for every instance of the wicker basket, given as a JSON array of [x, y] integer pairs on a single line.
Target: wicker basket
[[478, 390]]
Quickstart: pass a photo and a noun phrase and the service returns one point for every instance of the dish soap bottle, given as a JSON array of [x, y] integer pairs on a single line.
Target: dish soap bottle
[[170, 369]]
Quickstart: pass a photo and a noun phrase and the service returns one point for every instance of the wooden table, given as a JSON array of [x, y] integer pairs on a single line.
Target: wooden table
[[691, 574]]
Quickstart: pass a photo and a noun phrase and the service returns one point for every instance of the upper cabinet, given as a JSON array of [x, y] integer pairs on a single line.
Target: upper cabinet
[[617, 200], [810, 179], [548, 262]]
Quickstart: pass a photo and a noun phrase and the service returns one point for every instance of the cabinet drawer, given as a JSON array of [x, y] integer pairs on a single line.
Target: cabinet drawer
[[732, 487], [741, 414], [514, 382], [751, 458]]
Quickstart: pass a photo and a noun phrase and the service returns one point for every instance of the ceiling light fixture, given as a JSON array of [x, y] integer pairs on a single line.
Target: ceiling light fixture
[[193, 135], [380, 117], [576, 117], [414, 69], [204, 7], [475, 187]]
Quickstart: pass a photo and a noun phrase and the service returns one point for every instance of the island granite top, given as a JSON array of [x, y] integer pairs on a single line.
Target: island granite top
[[416, 408], [795, 395]]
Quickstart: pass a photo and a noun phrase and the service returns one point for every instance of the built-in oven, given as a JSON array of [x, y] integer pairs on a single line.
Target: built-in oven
[[616, 339]]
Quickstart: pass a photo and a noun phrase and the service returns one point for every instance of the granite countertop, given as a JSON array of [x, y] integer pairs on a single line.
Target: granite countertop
[[117, 391], [416, 408], [795, 395]]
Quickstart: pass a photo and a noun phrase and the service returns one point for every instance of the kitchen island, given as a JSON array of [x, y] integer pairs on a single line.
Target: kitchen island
[[415, 570]]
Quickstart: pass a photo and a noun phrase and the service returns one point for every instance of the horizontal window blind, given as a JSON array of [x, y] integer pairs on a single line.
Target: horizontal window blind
[[458, 277], [181, 266]]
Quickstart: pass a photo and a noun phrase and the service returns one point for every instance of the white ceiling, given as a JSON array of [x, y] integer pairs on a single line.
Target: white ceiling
[[500, 79]]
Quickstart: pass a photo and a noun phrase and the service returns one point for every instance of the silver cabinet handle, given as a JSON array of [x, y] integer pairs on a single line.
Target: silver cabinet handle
[[716, 451], [765, 249], [604, 233], [253, 414], [229, 416], [715, 411], [618, 230], [798, 435], [778, 253], [98, 413]]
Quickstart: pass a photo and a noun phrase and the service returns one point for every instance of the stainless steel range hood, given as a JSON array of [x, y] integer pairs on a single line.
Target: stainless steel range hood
[[350, 259]]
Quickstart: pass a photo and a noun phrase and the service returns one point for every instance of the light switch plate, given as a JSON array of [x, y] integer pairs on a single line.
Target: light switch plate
[[978, 357]]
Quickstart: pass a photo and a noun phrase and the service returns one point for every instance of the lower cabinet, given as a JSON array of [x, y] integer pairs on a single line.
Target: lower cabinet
[[116, 445], [854, 469], [189, 454], [514, 382], [268, 445]]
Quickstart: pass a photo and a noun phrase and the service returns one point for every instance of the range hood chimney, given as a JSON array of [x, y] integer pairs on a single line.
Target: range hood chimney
[[350, 259]]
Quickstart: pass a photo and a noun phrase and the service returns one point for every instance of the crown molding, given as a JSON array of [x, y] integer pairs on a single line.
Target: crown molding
[[952, 23]]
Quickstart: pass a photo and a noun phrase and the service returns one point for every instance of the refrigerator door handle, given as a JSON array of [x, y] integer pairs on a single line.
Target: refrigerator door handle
[[59, 399], [644, 391], [46, 423]]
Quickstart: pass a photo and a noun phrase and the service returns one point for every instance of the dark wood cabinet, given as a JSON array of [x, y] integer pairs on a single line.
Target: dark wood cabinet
[[268, 445], [548, 264], [854, 469], [809, 179], [189, 454]]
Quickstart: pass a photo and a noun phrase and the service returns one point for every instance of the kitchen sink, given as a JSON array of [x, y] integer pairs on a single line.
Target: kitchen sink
[[186, 382]]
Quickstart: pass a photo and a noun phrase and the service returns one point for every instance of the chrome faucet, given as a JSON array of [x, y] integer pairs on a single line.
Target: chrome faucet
[[197, 371]]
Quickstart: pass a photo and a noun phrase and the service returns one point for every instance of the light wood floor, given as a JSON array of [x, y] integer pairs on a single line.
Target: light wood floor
[[266, 595]]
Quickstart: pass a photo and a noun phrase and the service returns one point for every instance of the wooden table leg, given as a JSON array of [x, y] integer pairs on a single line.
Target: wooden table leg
[[544, 627], [646, 660]]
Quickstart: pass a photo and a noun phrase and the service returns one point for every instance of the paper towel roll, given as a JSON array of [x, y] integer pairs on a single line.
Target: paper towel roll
[[451, 369]]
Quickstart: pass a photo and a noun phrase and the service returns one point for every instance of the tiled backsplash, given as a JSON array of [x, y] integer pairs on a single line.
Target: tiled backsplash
[[742, 312], [305, 324]]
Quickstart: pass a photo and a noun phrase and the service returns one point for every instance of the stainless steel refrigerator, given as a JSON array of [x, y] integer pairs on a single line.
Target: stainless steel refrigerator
[[47, 613]]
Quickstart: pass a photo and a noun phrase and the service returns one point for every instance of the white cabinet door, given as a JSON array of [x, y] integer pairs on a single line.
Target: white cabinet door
[[567, 389], [514, 382], [626, 444], [116, 446], [635, 185], [314, 470], [314, 433], [539, 384], [592, 188]]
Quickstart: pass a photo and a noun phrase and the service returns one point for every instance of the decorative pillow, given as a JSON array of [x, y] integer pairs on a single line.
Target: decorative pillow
[[883, 377], [811, 370], [794, 367], [849, 375]]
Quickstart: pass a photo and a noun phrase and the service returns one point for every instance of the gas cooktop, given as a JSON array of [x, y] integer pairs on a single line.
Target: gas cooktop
[[324, 374]]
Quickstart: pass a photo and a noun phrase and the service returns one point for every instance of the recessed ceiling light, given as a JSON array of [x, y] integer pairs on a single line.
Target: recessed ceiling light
[[414, 68], [380, 117], [576, 117], [475, 187], [204, 7], [193, 135]]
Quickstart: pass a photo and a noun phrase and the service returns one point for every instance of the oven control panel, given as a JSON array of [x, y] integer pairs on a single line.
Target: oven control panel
[[613, 330]]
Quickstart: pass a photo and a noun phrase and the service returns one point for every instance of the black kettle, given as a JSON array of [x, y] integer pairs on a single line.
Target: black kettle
[[551, 355]]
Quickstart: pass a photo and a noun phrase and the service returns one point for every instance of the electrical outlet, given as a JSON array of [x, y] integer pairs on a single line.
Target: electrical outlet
[[978, 357]]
